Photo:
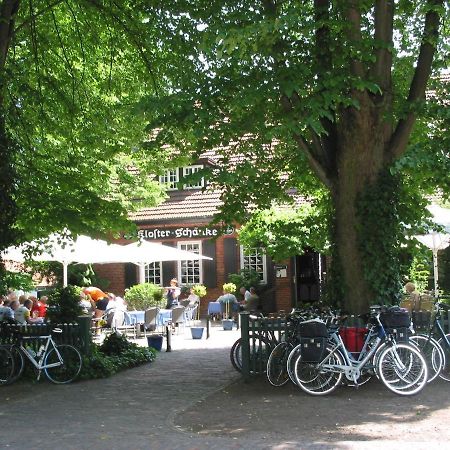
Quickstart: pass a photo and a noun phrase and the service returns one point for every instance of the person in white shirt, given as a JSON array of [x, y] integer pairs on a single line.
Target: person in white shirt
[[6, 313]]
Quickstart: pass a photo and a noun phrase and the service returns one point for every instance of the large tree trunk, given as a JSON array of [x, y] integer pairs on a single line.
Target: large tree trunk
[[8, 11], [360, 151]]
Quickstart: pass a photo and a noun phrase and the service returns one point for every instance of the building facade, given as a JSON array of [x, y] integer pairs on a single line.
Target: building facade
[[183, 221]]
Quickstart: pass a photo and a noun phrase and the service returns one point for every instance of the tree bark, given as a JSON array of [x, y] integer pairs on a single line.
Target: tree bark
[[8, 11]]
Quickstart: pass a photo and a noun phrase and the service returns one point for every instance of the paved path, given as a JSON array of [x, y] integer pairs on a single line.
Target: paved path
[[132, 410], [192, 398]]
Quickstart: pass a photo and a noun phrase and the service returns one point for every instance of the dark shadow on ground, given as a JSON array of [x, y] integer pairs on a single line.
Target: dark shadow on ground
[[288, 415]]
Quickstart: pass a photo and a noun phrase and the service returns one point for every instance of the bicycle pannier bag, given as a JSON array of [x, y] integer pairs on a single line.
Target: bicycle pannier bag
[[312, 349], [313, 339], [312, 328]]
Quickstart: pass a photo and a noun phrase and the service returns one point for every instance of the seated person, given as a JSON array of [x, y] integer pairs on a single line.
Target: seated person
[[193, 299], [245, 294], [6, 313], [39, 308], [22, 313], [252, 303], [231, 300], [87, 304]]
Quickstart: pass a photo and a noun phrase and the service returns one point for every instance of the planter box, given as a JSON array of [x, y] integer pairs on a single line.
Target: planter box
[[227, 324], [155, 341], [197, 332]]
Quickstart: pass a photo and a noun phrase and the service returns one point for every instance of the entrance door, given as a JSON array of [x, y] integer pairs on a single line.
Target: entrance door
[[309, 270]]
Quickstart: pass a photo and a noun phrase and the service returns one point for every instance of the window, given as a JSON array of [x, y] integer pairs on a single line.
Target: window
[[190, 270], [153, 273], [170, 179], [190, 170], [255, 259]]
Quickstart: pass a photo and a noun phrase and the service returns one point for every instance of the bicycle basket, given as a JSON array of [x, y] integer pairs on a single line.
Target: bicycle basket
[[312, 348], [395, 317], [312, 329]]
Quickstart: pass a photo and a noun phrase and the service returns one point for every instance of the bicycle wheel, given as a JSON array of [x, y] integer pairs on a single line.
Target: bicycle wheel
[[277, 373], [445, 345], [319, 378], [403, 369], [259, 354], [290, 364], [236, 355], [70, 364], [432, 352], [19, 362], [6, 365]]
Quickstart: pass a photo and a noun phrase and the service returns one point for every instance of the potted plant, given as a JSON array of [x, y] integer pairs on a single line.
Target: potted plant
[[200, 291], [228, 289]]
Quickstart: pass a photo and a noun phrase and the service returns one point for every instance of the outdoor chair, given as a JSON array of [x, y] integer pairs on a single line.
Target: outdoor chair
[[150, 319], [123, 323], [178, 317], [190, 314]]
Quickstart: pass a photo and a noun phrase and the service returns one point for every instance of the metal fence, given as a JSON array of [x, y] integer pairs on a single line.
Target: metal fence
[[76, 334], [260, 335]]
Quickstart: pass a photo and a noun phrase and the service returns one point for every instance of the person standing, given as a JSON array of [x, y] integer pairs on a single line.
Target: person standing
[[172, 294]]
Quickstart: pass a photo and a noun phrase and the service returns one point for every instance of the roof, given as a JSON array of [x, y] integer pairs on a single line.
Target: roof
[[187, 204]]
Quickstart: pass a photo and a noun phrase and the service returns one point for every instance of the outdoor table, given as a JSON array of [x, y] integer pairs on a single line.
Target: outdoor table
[[214, 308], [137, 316], [164, 316]]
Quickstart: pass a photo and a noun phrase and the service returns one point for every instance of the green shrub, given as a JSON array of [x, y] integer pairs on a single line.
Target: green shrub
[[246, 278], [64, 305], [142, 296], [115, 354]]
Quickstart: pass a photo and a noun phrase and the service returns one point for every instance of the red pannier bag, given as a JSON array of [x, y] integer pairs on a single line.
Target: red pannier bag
[[353, 338]]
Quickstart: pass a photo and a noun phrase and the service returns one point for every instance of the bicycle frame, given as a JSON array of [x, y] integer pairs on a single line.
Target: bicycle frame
[[352, 368], [39, 358]]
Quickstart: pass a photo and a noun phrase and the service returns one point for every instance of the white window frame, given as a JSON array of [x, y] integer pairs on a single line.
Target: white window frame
[[192, 169], [146, 270], [200, 265], [264, 262], [170, 179]]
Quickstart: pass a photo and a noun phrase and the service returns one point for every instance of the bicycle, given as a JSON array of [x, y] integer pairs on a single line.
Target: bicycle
[[6, 364], [437, 351], [400, 366], [261, 345], [61, 363]]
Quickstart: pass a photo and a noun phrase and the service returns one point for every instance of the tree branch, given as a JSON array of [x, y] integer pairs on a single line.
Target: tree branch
[[313, 162], [132, 34], [35, 16], [419, 82], [8, 12], [353, 15], [384, 23]]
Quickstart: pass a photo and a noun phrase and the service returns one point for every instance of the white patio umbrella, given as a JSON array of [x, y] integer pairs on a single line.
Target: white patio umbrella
[[142, 253], [95, 251], [83, 250], [437, 240]]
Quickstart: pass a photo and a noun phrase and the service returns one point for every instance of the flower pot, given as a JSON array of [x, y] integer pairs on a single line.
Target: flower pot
[[155, 341], [197, 332], [227, 324]]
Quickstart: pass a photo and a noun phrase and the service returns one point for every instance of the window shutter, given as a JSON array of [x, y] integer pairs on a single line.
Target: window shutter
[[169, 268], [209, 266], [230, 254], [270, 271], [130, 275]]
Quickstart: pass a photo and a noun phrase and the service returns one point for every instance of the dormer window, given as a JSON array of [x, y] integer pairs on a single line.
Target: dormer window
[[170, 179], [190, 170]]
